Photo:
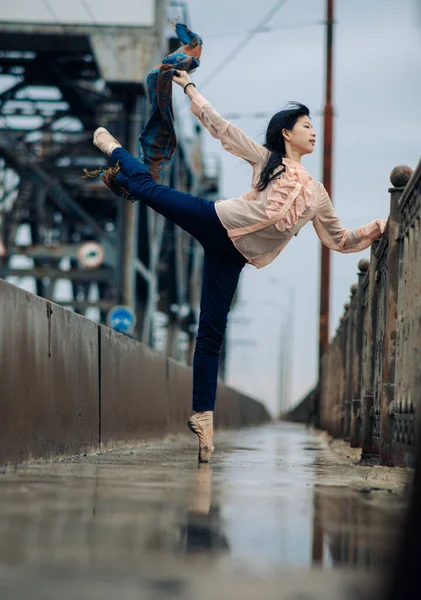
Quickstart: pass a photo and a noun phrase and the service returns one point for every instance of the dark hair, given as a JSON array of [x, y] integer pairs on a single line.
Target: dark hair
[[275, 142]]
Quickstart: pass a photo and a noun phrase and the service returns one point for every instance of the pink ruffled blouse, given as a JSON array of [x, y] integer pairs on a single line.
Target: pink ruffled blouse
[[260, 224], [289, 194]]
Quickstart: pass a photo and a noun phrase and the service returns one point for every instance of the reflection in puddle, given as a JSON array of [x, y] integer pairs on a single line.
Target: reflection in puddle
[[350, 529], [266, 501], [202, 530]]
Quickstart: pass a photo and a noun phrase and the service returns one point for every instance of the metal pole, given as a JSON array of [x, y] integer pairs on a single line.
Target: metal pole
[[290, 349], [286, 356], [327, 182], [130, 210], [281, 376]]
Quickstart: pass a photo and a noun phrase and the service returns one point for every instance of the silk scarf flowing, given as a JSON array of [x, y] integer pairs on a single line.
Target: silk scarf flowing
[[158, 141]]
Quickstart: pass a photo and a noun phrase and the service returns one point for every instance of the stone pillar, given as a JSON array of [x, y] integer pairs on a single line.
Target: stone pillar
[[340, 378], [368, 448], [349, 362], [387, 395], [358, 333]]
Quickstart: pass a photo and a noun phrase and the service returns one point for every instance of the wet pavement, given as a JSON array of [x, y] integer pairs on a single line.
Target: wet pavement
[[275, 515]]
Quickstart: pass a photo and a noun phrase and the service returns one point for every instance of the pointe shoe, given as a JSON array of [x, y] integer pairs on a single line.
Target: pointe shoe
[[202, 425], [105, 141], [118, 184]]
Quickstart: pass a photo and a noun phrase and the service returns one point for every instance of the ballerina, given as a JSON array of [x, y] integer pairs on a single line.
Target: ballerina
[[253, 228]]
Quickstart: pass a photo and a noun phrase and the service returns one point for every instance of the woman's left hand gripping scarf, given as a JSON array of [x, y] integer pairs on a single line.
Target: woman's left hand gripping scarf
[[158, 141]]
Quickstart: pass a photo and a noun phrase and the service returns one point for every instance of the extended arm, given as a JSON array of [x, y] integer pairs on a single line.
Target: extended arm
[[333, 235], [231, 137]]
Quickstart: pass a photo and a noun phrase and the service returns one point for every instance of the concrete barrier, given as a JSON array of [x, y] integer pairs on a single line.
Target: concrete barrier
[[48, 379], [304, 411], [70, 386], [133, 390]]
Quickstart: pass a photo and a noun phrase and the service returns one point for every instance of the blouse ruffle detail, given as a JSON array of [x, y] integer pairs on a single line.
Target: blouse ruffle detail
[[289, 195]]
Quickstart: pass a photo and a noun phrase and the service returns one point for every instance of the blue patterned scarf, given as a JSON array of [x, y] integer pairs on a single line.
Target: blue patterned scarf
[[157, 142]]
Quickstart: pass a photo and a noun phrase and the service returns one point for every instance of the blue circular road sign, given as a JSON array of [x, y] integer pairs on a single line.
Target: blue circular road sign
[[121, 318]]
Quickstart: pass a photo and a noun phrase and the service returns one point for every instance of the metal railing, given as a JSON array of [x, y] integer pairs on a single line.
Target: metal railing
[[371, 372]]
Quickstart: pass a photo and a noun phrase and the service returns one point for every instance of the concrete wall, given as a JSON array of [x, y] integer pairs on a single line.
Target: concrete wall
[[69, 386], [304, 411], [48, 378]]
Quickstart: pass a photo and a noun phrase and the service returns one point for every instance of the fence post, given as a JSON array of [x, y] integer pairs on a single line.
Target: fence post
[[367, 443], [387, 394], [340, 378], [407, 356], [358, 355], [349, 362], [368, 448]]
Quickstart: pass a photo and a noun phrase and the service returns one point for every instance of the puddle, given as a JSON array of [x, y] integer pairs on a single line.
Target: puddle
[[263, 503]]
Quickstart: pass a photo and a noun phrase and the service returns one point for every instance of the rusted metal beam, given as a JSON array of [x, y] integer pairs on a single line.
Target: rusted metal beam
[[73, 275]]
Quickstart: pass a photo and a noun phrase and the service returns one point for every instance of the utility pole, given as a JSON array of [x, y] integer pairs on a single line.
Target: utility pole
[[327, 182], [130, 210], [286, 356], [282, 372]]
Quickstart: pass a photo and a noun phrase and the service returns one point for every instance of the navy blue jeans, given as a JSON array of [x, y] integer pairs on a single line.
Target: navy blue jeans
[[221, 270]]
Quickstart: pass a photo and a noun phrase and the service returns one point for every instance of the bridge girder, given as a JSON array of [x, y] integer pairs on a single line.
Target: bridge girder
[[64, 81]]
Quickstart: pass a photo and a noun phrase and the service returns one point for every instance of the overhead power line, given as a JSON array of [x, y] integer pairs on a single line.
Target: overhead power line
[[51, 10], [267, 30], [261, 115], [240, 47], [89, 11]]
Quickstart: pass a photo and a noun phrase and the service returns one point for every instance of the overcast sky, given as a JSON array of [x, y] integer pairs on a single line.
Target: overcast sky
[[377, 93]]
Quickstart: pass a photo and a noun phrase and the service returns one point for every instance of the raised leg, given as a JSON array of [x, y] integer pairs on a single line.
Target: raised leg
[[195, 215]]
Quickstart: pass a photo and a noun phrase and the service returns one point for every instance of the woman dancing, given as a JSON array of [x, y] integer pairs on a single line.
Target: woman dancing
[[253, 228]]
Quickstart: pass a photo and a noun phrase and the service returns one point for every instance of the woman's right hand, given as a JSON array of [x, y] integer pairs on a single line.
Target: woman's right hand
[[182, 78]]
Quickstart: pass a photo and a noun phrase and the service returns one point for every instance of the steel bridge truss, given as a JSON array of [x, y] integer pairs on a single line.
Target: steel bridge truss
[[66, 232]]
